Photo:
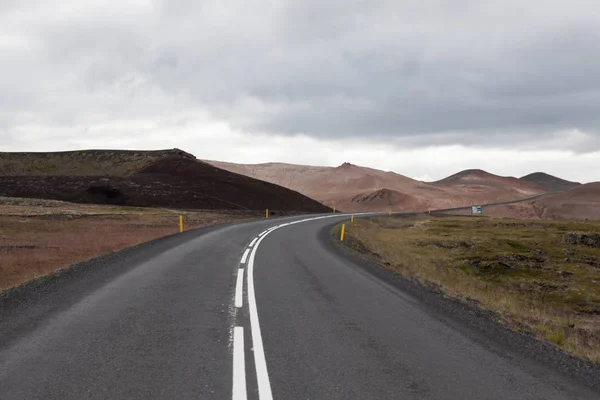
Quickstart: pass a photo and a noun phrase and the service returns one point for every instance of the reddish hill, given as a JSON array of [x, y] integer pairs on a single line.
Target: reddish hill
[[340, 186], [549, 183], [384, 199], [466, 176], [479, 179], [170, 178], [580, 202], [316, 180], [478, 186]]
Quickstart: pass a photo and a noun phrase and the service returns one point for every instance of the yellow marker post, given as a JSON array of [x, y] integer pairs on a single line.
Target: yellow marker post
[[352, 218], [180, 223], [334, 209], [343, 230], [390, 212], [267, 213]]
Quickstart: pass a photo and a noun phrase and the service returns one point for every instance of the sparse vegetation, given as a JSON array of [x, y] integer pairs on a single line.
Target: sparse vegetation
[[81, 163], [161, 178], [38, 237], [541, 277]]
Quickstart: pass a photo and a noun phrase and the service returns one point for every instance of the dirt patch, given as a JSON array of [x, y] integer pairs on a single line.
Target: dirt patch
[[40, 237]]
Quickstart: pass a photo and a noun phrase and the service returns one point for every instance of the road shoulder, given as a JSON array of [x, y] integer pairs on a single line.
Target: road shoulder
[[478, 324]]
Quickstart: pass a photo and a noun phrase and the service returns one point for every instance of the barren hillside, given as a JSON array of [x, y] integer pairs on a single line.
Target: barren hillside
[[326, 184], [168, 178], [116, 163], [354, 188], [549, 183], [477, 186], [580, 202]]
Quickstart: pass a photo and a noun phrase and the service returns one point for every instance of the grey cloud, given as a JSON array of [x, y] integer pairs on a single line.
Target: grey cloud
[[409, 72]]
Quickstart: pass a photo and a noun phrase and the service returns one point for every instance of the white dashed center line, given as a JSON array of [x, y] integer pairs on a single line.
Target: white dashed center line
[[239, 365], [245, 256], [239, 288]]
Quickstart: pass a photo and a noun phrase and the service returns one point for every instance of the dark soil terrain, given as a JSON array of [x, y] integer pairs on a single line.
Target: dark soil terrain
[[169, 178]]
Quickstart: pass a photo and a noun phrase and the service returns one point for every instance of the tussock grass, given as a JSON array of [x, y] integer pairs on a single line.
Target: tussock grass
[[529, 272]]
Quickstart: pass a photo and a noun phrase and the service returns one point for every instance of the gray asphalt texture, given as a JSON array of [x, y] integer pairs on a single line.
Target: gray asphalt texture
[[154, 322]]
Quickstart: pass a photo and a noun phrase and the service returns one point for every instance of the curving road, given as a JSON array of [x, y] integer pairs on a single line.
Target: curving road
[[247, 311]]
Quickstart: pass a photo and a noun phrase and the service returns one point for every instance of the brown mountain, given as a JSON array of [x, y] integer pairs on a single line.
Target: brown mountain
[[165, 178], [326, 184], [354, 188], [348, 187], [384, 199], [580, 202], [549, 183], [478, 186]]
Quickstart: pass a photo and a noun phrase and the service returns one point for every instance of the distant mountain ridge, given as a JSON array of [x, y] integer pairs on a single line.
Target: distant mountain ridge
[[478, 177], [350, 187], [467, 174], [549, 183]]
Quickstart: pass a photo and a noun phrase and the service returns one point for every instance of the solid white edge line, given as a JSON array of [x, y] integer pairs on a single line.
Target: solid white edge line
[[239, 365], [262, 375], [253, 241], [260, 362], [245, 256], [239, 289]]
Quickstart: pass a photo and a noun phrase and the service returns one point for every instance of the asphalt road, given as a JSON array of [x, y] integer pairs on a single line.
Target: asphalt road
[[241, 311]]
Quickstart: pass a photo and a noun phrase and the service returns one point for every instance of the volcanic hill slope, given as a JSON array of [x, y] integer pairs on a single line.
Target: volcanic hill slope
[[549, 183], [347, 187], [579, 202], [354, 188], [477, 186], [164, 178]]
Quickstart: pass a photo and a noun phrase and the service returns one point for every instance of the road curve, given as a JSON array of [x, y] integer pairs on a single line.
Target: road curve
[[258, 310]]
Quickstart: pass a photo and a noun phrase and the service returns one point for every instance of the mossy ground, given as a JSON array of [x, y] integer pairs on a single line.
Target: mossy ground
[[524, 270]]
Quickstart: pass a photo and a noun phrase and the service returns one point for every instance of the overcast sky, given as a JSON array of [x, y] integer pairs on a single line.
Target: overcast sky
[[421, 87]]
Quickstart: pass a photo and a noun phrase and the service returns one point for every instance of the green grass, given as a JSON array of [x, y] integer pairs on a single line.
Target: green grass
[[524, 270]]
